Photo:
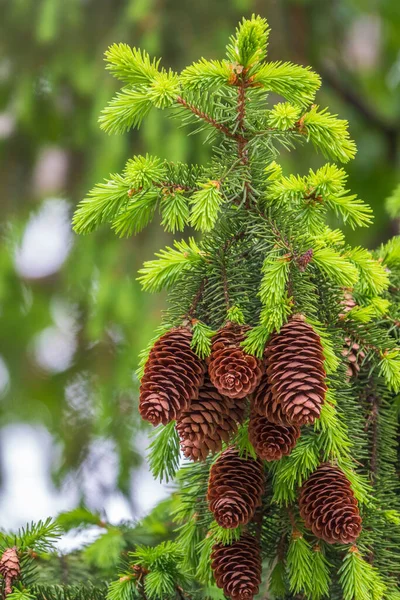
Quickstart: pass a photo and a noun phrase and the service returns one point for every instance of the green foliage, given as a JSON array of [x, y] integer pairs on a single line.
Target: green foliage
[[389, 253], [390, 369], [78, 517], [126, 110], [373, 279], [277, 583], [170, 265], [235, 315], [102, 203], [206, 203], [296, 84], [131, 65], [105, 552], [40, 536], [266, 253], [332, 361], [283, 116], [201, 339], [359, 579], [320, 575], [393, 203], [308, 569], [123, 588], [242, 442], [291, 471], [328, 134], [275, 271], [335, 266], [166, 571], [164, 452], [206, 74], [299, 565], [249, 45], [174, 210]]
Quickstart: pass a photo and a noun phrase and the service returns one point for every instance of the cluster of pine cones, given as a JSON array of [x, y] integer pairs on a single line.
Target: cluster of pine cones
[[279, 394], [209, 401]]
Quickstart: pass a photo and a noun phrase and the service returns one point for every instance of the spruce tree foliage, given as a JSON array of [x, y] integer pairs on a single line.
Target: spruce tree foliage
[[267, 254]]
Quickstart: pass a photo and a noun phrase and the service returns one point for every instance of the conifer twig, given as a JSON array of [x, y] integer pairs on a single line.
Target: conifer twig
[[208, 119]]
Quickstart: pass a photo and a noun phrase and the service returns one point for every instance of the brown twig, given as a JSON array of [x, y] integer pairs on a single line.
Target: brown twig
[[208, 119], [197, 298]]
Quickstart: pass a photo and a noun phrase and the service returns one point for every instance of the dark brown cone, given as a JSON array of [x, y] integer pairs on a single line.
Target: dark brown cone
[[328, 506], [296, 371], [235, 487], [172, 377], [271, 441], [233, 372], [210, 420], [237, 568], [9, 568], [265, 405]]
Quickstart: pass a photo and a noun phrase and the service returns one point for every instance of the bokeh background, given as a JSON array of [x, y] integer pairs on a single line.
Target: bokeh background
[[72, 317]]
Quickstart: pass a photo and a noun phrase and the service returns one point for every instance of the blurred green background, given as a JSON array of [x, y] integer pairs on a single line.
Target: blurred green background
[[72, 317]]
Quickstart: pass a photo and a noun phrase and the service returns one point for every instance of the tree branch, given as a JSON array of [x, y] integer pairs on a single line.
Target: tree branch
[[208, 119]]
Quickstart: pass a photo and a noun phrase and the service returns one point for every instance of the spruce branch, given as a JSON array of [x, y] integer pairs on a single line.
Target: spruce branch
[[207, 118]]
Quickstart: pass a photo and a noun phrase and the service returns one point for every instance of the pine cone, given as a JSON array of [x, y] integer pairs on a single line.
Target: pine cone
[[296, 371], [328, 506], [354, 356], [271, 441], [9, 568], [172, 377], [210, 420], [351, 351], [235, 488], [233, 372], [237, 568], [266, 405]]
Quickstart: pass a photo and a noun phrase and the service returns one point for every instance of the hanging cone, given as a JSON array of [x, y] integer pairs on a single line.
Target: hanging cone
[[328, 506], [172, 377], [271, 441], [296, 371], [210, 420], [235, 487], [237, 568], [351, 351], [266, 405], [233, 372], [354, 357], [9, 568], [347, 302]]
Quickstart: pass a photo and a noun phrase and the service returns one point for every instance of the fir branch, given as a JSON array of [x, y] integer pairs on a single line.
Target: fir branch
[[131, 65], [164, 455], [207, 118], [295, 83], [170, 265]]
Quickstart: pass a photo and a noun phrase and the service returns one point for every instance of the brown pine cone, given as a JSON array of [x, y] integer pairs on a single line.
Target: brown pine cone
[[271, 441], [210, 420], [237, 568], [172, 377], [9, 568], [233, 372], [328, 506], [266, 405], [235, 487], [296, 371], [347, 302], [354, 355]]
